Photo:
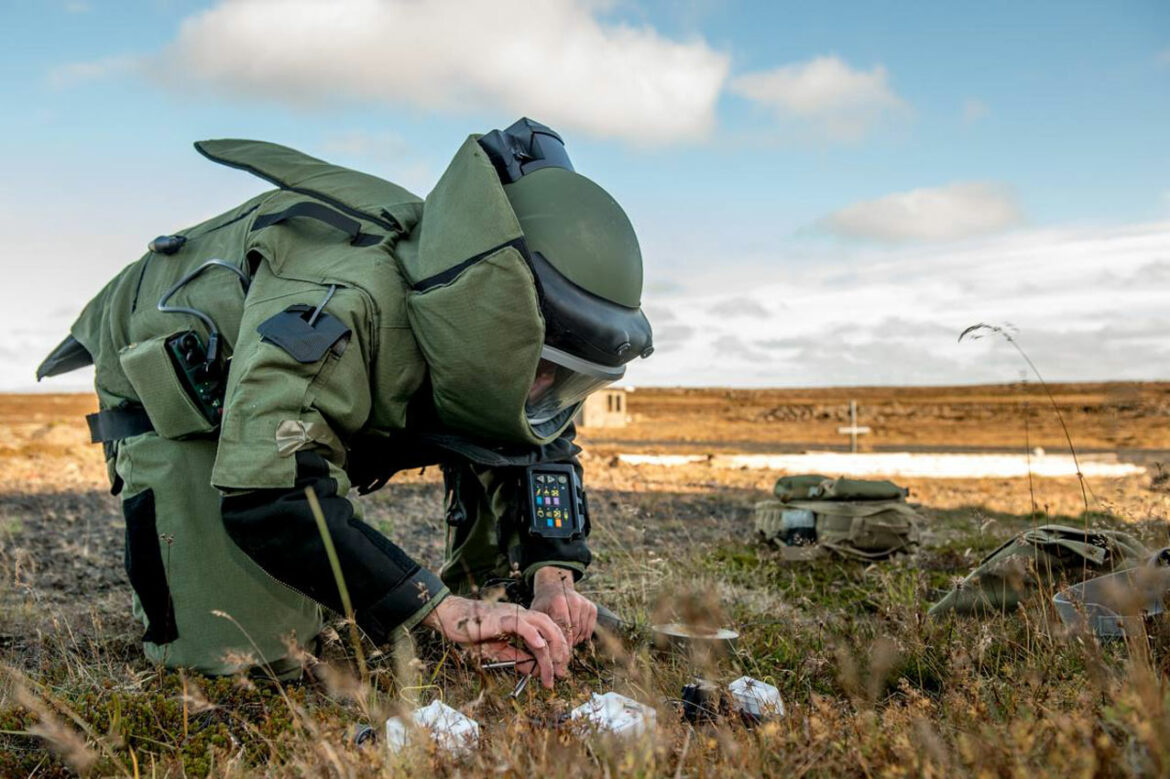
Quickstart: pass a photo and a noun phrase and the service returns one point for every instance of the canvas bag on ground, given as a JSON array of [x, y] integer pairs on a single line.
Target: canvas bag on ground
[[853, 518], [1042, 557]]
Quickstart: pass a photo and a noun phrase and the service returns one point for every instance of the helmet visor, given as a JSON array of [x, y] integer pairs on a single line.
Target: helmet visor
[[563, 381]]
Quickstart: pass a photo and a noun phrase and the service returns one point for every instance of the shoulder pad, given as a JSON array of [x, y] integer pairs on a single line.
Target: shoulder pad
[[360, 194]]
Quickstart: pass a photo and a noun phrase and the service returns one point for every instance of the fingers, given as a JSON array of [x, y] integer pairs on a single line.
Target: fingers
[[576, 615], [554, 638], [502, 651], [526, 628], [558, 641], [561, 613], [548, 645], [573, 626], [499, 651], [585, 621]]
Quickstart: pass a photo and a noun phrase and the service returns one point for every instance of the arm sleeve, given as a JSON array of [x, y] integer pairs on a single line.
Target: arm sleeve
[[276, 528], [504, 488], [283, 431]]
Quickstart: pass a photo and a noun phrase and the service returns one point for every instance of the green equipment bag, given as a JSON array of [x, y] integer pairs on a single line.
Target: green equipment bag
[[816, 487], [1043, 558], [852, 518]]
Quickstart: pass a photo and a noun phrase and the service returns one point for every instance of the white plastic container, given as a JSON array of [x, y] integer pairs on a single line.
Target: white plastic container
[[614, 713], [450, 729], [755, 698]]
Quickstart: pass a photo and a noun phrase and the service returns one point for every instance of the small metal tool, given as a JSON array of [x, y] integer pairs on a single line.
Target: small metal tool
[[499, 665], [521, 685]]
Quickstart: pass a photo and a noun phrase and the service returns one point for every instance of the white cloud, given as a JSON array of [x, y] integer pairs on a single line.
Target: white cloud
[[1089, 305], [371, 151], [741, 307], [75, 73], [974, 110], [555, 60], [837, 100], [362, 143], [951, 212]]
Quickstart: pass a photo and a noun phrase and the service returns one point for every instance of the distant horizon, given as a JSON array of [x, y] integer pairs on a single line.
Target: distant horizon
[[42, 389]]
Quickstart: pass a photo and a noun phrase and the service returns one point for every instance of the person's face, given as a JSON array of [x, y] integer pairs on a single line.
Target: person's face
[[546, 374]]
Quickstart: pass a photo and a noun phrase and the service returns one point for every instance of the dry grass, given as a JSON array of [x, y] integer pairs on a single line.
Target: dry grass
[[871, 686]]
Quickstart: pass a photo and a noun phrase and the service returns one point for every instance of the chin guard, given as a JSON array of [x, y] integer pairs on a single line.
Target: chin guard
[[555, 501]]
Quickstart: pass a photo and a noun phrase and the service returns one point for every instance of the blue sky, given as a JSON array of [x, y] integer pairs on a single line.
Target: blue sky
[[826, 193]]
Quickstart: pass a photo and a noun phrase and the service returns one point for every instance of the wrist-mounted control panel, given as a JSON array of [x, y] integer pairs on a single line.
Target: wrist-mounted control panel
[[555, 501]]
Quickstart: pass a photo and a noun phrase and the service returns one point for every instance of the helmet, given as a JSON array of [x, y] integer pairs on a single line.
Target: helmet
[[525, 287], [587, 265]]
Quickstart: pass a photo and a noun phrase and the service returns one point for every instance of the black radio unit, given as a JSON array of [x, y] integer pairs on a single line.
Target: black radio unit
[[202, 379]]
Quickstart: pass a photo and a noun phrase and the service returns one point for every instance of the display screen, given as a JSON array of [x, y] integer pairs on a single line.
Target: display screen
[[555, 503], [550, 499]]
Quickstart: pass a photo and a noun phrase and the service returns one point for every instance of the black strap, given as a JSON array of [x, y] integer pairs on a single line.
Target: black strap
[[311, 210], [114, 424], [450, 274], [373, 460]]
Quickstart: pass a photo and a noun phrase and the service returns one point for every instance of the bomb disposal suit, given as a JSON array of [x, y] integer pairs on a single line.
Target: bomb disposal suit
[[328, 334]]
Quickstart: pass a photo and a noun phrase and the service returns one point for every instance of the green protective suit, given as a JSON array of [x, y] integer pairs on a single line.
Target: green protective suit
[[366, 332]]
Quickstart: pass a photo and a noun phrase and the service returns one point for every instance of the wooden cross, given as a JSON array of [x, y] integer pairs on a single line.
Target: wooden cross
[[853, 430]]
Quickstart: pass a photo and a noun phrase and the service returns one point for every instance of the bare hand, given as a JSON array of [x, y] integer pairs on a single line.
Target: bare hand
[[487, 629], [556, 596]]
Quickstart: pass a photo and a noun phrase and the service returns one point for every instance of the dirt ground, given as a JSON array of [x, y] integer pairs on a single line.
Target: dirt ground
[[659, 532], [1115, 416]]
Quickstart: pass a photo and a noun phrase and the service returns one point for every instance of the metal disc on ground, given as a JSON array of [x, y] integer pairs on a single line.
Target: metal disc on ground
[[679, 637]]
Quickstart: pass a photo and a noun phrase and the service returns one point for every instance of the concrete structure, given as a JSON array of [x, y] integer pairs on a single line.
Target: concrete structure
[[604, 408]]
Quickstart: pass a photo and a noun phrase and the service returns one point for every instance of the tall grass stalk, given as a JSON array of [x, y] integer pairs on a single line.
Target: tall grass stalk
[[339, 577], [975, 332]]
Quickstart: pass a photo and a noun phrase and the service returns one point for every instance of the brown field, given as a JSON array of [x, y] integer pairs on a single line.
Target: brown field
[[1110, 417], [872, 687]]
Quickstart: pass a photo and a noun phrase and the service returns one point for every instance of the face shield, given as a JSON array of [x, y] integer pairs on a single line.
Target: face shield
[[562, 382]]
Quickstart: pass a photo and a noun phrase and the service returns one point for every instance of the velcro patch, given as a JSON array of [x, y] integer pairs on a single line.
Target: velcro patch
[[291, 331]]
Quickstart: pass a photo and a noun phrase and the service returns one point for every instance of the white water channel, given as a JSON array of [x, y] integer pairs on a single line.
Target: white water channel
[[921, 465]]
